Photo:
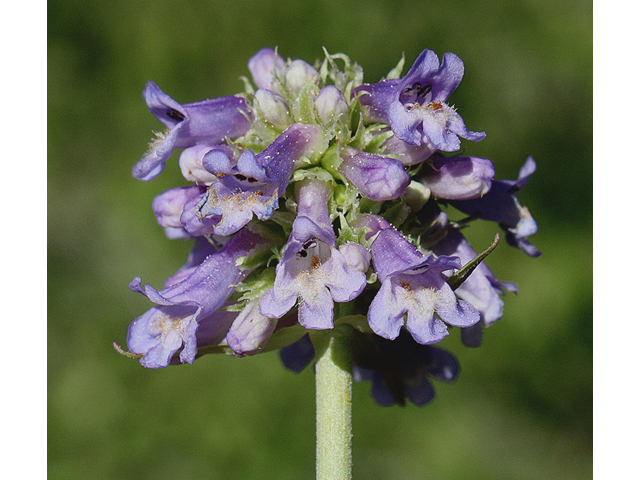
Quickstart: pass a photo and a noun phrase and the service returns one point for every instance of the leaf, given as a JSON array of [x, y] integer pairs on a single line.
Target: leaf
[[284, 337], [461, 275]]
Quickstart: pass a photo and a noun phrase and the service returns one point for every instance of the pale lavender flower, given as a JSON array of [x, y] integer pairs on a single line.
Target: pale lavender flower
[[312, 272], [501, 205], [457, 178], [378, 178], [331, 103], [191, 163], [265, 66], [169, 207], [195, 293], [407, 154], [414, 285], [415, 106], [208, 121], [298, 75], [274, 108], [250, 330]]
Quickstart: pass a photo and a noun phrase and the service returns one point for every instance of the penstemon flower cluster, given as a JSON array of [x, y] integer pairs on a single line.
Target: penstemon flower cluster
[[318, 201]]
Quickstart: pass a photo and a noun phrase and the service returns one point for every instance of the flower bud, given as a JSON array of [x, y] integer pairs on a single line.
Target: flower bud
[[273, 108], [356, 256], [330, 102], [298, 74], [191, 163]]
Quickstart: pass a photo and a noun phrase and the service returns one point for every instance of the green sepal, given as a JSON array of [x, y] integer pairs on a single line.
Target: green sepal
[[261, 254], [303, 107], [370, 206], [313, 173], [248, 87], [256, 284], [331, 161], [416, 195], [126, 353], [374, 137], [284, 220], [351, 76], [461, 275], [347, 232], [397, 214]]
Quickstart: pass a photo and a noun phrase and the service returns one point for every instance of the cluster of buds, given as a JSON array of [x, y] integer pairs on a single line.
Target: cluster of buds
[[317, 200]]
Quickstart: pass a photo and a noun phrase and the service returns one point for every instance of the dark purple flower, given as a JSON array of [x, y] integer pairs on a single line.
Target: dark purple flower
[[194, 294], [378, 178], [457, 178], [501, 205], [253, 184], [481, 289], [208, 121], [401, 369], [312, 271], [414, 284], [414, 106], [298, 355]]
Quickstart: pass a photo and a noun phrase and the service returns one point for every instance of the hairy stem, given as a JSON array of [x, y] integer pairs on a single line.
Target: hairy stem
[[333, 404]]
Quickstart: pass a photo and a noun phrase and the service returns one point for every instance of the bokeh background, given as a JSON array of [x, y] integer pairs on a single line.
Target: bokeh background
[[522, 407]]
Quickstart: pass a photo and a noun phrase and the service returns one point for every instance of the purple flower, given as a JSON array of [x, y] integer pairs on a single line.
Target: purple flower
[[378, 178], [312, 271], [501, 205], [253, 184], [191, 296], [457, 178], [414, 284], [208, 121], [481, 289], [414, 106]]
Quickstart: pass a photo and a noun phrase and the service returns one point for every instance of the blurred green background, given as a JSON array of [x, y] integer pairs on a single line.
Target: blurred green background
[[522, 407]]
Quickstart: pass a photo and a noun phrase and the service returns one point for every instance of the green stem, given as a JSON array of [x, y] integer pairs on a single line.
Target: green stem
[[333, 404]]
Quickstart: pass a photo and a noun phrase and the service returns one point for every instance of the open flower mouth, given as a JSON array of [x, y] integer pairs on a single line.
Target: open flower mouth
[[416, 93]]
